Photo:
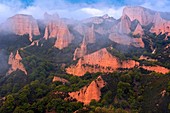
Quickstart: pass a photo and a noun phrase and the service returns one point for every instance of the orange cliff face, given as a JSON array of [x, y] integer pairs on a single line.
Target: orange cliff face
[[99, 61], [56, 28], [90, 92], [22, 24], [15, 62]]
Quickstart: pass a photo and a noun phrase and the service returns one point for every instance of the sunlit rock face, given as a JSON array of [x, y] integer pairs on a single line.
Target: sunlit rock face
[[157, 69], [90, 92], [15, 63], [99, 61], [22, 24], [56, 28]]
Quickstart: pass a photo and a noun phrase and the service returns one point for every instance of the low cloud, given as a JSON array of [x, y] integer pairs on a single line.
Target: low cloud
[[78, 11]]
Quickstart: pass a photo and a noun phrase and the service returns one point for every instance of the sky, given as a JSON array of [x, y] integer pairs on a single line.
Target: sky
[[75, 9]]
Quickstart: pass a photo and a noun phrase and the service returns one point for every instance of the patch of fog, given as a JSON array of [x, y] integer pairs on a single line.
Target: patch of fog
[[3, 62]]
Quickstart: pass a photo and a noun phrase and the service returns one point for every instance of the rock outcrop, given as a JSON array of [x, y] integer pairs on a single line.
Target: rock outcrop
[[22, 24], [157, 69], [80, 52], [126, 40], [99, 61], [90, 92], [15, 62], [124, 25], [160, 20], [143, 15], [56, 28], [160, 25], [59, 79]]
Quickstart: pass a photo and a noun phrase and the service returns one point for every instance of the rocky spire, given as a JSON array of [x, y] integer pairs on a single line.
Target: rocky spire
[[90, 92], [56, 28], [80, 52], [16, 64], [124, 25]]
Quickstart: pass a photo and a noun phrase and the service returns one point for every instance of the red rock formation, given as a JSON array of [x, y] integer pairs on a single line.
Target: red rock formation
[[124, 25], [80, 52], [143, 15], [22, 24], [90, 92], [59, 79], [15, 62], [99, 61], [157, 69], [56, 28], [160, 25]]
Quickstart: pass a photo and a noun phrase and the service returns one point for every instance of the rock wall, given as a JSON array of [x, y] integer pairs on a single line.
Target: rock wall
[[22, 24], [99, 61], [143, 15], [90, 92], [160, 20]]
